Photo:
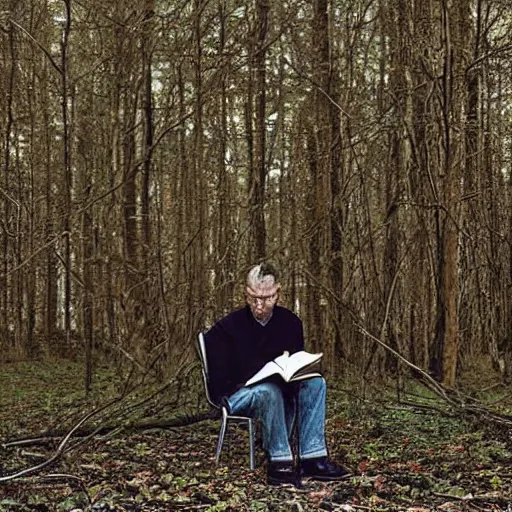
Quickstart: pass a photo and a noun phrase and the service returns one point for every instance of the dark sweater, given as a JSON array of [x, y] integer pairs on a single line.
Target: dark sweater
[[237, 346]]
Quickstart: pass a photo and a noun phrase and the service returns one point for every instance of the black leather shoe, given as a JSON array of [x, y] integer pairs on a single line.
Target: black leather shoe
[[322, 469], [282, 473]]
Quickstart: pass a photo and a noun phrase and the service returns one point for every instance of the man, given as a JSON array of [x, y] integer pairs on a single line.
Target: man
[[238, 346]]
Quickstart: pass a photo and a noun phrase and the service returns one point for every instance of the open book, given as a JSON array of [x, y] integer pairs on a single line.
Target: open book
[[289, 367]]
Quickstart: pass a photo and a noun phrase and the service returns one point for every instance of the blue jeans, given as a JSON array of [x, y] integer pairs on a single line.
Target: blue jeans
[[276, 412]]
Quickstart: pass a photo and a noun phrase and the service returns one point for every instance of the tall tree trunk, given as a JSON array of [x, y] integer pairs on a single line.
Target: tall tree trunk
[[131, 239], [148, 292], [8, 201], [147, 58], [454, 89], [51, 274], [88, 291], [224, 282], [421, 189], [258, 172], [67, 183], [320, 170], [31, 289], [336, 218], [180, 194], [314, 311], [400, 48], [200, 197]]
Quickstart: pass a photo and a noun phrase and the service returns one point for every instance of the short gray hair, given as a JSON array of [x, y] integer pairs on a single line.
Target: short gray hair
[[261, 272]]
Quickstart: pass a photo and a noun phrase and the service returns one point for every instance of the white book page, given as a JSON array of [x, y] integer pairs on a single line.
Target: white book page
[[297, 361], [285, 365], [269, 369]]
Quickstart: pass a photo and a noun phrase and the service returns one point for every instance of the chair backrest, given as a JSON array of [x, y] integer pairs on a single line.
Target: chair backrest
[[204, 368]]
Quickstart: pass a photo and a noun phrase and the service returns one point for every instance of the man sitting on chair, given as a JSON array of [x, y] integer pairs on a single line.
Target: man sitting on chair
[[239, 345]]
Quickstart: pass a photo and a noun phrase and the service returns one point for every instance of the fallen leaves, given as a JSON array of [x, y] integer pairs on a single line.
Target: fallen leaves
[[401, 462]]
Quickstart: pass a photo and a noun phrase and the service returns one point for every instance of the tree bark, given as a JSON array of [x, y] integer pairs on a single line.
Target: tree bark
[[454, 88], [67, 182], [258, 175]]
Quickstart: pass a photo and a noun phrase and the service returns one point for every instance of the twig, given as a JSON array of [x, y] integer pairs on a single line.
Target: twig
[[435, 386], [33, 455], [470, 497], [40, 46], [61, 476], [178, 421], [60, 448], [424, 407], [191, 507], [52, 459], [500, 399], [34, 254], [32, 441]]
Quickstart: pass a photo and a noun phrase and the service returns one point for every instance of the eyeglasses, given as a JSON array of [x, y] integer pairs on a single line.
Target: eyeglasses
[[268, 299]]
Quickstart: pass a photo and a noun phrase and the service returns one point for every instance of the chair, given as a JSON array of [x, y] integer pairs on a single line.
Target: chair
[[226, 418]]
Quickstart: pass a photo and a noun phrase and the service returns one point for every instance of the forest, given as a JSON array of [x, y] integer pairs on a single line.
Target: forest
[[154, 150]]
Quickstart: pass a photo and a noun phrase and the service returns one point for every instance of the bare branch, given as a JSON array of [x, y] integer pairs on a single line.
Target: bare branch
[[39, 45]]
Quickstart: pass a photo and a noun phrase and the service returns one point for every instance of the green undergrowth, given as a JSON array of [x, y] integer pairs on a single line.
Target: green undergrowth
[[37, 396], [403, 457]]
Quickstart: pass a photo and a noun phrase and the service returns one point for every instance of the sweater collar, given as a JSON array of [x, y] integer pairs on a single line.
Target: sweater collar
[[262, 323]]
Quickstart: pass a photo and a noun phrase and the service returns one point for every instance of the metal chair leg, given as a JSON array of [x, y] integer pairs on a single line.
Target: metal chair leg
[[222, 433], [251, 445]]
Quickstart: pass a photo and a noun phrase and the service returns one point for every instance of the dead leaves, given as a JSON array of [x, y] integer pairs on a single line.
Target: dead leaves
[[401, 461]]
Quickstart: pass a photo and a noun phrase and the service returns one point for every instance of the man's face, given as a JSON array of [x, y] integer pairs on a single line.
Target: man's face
[[262, 297]]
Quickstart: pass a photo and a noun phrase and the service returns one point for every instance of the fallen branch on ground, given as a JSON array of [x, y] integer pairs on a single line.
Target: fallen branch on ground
[[456, 400], [182, 420], [88, 433]]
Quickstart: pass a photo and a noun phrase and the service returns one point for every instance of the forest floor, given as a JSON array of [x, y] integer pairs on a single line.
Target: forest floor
[[403, 458]]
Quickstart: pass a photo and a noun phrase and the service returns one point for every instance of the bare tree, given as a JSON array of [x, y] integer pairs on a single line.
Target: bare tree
[[150, 150]]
